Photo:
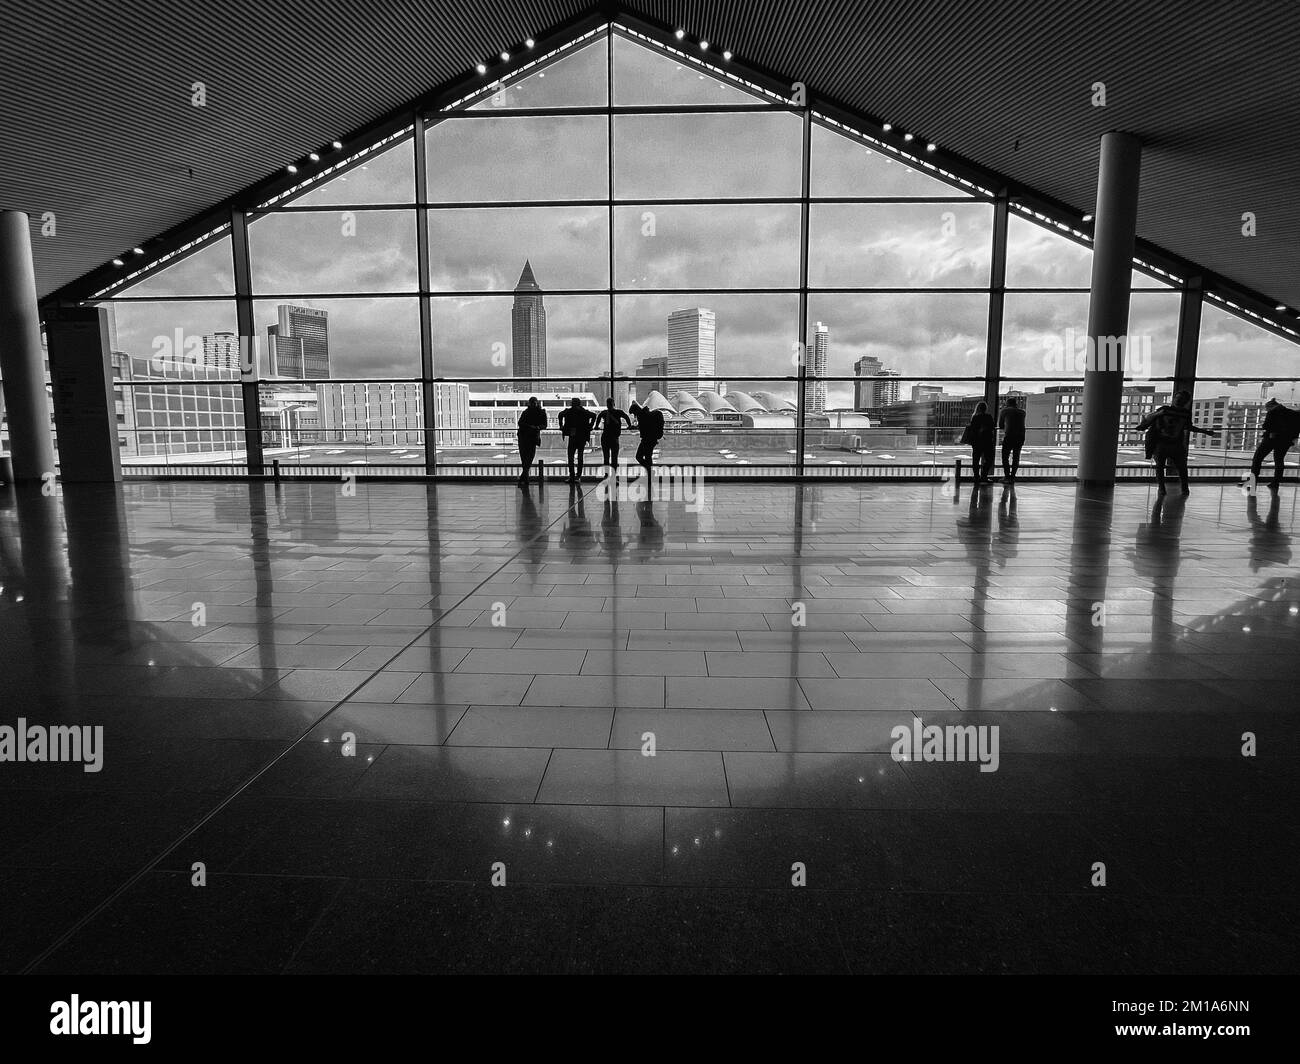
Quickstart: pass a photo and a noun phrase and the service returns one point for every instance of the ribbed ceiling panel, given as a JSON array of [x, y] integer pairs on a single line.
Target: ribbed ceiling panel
[[98, 126]]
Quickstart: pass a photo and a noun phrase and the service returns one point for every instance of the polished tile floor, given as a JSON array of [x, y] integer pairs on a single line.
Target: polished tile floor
[[352, 712]]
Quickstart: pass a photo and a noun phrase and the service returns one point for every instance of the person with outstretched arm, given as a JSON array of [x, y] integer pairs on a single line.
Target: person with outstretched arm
[[610, 422], [532, 420], [1173, 428]]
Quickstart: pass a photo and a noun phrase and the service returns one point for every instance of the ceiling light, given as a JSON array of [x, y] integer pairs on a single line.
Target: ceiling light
[[1087, 217], [727, 56], [529, 43], [314, 157], [680, 34], [887, 126], [1280, 306], [337, 145], [505, 57], [931, 146], [138, 251], [704, 46], [118, 262], [481, 68], [907, 136], [291, 168]]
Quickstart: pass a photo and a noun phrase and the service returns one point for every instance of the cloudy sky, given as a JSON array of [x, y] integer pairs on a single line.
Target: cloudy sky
[[476, 253]]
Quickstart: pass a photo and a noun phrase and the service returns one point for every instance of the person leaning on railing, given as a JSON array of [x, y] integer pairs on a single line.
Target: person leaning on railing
[[1169, 430]]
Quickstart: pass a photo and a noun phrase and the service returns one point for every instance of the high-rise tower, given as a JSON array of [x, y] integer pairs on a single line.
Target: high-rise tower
[[528, 332], [692, 348]]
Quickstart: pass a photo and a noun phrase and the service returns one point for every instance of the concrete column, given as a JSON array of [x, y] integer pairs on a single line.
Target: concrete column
[[22, 360], [1112, 266]]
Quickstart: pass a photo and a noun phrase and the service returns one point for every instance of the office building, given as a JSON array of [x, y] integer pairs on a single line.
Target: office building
[[692, 348], [528, 333]]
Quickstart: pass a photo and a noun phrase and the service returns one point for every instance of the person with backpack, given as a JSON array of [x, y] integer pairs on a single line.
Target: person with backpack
[[981, 435], [1011, 421], [575, 425], [650, 424], [1279, 431], [1170, 427], [532, 420]]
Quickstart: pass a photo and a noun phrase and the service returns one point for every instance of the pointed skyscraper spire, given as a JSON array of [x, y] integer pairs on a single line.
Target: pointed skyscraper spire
[[527, 282]]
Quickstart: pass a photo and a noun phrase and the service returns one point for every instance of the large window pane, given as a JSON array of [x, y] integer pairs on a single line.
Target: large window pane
[[1047, 335], [386, 176], [579, 77], [209, 271], [706, 156], [694, 337], [333, 251], [185, 333], [645, 76], [484, 250], [530, 336], [540, 157], [900, 245], [1234, 347], [357, 337], [714, 246], [907, 334], [844, 166], [1037, 257]]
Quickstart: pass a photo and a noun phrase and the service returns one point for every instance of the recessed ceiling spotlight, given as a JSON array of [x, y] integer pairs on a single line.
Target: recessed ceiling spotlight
[[726, 56], [314, 157], [337, 145], [931, 146], [291, 168], [505, 57], [1280, 306], [118, 262], [680, 34], [138, 251], [529, 43], [481, 68], [1087, 217], [907, 136], [704, 46], [887, 126]]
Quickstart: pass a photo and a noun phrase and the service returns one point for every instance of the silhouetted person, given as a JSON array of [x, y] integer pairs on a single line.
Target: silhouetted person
[[1279, 431], [1012, 423], [532, 420], [1173, 432], [575, 425], [650, 424], [610, 422], [1269, 545], [981, 434]]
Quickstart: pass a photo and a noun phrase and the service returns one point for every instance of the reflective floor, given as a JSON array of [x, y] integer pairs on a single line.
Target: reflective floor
[[410, 728]]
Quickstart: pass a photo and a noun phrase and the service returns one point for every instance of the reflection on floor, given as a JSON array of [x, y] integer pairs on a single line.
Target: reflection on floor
[[355, 711]]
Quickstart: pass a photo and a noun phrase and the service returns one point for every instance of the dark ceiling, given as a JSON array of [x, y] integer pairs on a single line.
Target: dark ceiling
[[98, 125]]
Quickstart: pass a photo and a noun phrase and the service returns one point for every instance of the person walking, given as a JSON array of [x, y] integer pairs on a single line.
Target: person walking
[[1173, 428], [1012, 423], [1279, 431], [575, 425], [610, 422], [650, 424], [981, 435], [532, 420]]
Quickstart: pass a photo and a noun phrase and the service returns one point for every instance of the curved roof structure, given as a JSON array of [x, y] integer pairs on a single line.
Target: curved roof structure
[[775, 403], [745, 403], [715, 403], [687, 405]]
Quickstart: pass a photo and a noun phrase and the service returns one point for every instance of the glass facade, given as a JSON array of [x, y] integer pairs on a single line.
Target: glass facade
[[620, 218]]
